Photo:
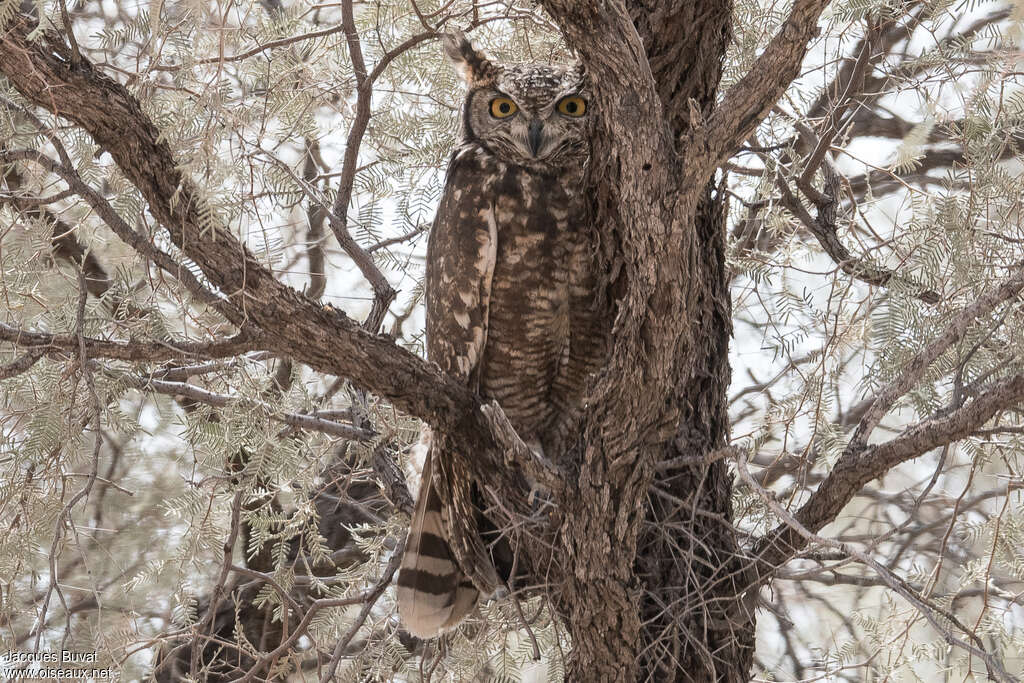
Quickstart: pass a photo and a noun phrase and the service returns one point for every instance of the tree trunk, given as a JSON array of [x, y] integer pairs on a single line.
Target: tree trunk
[[698, 623], [657, 589], [652, 544]]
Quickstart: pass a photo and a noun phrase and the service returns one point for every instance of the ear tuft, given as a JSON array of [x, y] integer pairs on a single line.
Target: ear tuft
[[473, 66]]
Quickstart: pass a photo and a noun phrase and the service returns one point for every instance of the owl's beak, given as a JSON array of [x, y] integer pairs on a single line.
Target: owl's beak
[[535, 136]]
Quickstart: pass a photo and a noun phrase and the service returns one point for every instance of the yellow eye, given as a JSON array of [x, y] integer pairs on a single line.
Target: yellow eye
[[503, 107], [572, 106]]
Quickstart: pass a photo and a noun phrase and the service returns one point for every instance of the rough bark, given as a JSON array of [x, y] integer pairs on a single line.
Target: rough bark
[[689, 563], [672, 319]]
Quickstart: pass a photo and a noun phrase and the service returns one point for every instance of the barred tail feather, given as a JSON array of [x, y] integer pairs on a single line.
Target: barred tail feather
[[434, 595]]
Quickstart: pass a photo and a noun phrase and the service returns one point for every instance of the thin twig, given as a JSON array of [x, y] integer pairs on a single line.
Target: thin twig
[[371, 600], [896, 583], [300, 420]]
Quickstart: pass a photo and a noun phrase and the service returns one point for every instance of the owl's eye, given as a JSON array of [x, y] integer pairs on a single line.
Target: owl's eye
[[503, 107], [572, 106]]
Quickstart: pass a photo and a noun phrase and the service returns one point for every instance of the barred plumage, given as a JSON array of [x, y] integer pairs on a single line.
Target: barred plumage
[[433, 594], [511, 306]]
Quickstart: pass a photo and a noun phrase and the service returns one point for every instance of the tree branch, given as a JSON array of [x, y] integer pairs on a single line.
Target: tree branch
[[833, 122], [46, 343], [338, 217], [21, 364], [860, 464], [120, 228], [270, 45], [826, 234], [299, 420], [926, 607], [915, 368], [748, 101], [64, 242]]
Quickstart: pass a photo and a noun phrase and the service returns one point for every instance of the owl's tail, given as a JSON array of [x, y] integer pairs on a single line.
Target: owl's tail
[[434, 595]]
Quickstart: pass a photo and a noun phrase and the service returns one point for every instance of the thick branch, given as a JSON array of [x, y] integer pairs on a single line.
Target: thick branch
[[748, 101], [20, 364]]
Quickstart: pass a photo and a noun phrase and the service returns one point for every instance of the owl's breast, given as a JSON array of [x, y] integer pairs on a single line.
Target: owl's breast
[[541, 292]]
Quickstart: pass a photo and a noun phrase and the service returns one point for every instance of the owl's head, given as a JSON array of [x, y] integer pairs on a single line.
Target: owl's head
[[529, 115]]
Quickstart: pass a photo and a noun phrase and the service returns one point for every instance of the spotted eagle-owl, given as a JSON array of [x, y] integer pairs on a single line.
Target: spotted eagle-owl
[[510, 305]]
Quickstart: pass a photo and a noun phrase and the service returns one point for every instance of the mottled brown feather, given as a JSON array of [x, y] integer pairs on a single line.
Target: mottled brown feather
[[511, 310]]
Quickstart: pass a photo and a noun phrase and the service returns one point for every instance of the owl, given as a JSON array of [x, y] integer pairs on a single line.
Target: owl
[[511, 307]]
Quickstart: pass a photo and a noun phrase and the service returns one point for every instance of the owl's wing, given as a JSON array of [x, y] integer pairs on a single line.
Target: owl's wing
[[460, 264], [446, 563]]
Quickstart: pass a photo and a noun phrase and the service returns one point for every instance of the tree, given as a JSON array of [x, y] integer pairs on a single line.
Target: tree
[[175, 166]]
